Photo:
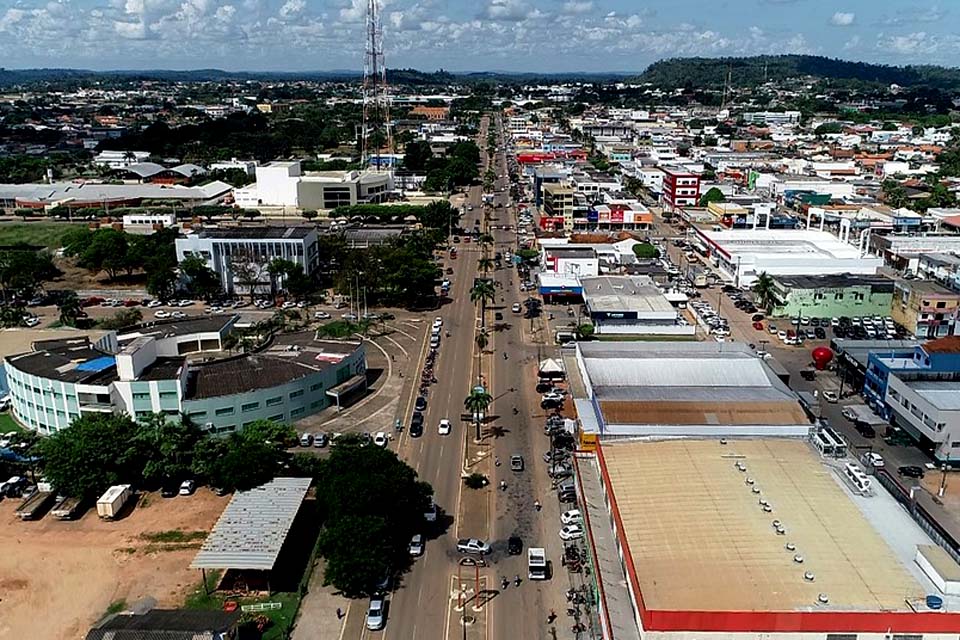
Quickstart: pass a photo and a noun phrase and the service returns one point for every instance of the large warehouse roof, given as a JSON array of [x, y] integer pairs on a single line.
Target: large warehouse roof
[[694, 533], [252, 529], [685, 383]]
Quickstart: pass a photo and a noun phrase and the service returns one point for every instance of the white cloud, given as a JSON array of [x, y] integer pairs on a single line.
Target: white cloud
[[842, 19], [576, 7], [291, 8], [508, 11]]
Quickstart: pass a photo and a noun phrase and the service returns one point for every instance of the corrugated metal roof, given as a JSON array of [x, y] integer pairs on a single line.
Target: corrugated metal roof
[[253, 527], [677, 372]]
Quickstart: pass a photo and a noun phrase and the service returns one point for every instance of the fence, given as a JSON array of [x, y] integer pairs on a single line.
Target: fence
[[937, 532]]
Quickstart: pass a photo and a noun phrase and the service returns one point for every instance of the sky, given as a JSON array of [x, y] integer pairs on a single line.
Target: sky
[[466, 35]]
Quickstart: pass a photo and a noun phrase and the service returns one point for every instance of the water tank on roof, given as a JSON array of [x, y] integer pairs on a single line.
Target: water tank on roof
[[934, 602]]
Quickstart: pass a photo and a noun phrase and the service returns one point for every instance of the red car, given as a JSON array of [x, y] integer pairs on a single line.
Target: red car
[[131, 303], [758, 326], [92, 301]]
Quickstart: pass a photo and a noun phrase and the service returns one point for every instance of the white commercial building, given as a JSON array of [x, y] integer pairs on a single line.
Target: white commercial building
[[631, 305], [743, 254], [284, 184], [254, 248], [120, 159]]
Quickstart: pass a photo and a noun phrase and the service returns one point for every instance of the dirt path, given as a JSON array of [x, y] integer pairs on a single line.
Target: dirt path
[[58, 578]]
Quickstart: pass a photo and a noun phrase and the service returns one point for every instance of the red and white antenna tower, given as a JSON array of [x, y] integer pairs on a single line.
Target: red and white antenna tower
[[377, 133]]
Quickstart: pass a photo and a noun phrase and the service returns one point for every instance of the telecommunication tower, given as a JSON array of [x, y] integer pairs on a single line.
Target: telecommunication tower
[[377, 133]]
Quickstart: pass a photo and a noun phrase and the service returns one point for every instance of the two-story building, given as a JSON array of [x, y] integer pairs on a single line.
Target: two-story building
[[919, 392], [832, 296], [925, 309]]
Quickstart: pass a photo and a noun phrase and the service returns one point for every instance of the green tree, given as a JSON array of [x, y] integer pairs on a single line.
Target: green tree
[[584, 331], [309, 214], [476, 403], [374, 503], [94, 452], [203, 281], [894, 195], [646, 251], [22, 271], [168, 446], [161, 277], [122, 319], [69, 308], [239, 462], [416, 155], [712, 195], [485, 264], [763, 288], [107, 251]]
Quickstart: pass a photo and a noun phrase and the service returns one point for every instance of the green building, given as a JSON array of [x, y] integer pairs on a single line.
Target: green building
[[832, 296]]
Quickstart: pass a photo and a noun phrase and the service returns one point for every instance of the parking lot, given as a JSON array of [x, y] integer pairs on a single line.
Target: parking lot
[[57, 578]]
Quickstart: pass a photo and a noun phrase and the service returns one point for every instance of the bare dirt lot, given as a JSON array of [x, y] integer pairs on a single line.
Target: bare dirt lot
[[58, 578]]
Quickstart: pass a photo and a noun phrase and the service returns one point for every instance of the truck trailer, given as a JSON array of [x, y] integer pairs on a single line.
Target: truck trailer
[[537, 563], [33, 506], [67, 509], [111, 503]]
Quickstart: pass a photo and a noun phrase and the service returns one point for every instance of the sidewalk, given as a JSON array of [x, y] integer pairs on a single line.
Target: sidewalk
[[603, 545], [318, 611]]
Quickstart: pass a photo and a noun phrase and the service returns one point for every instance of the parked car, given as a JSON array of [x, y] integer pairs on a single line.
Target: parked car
[[758, 326], [516, 462], [514, 545], [573, 516], [831, 396], [871, 459], [320, 440], [306, 440], [187, 487], [421, 404], [571, 532], [865, 430], [380, 439], [321, 315]]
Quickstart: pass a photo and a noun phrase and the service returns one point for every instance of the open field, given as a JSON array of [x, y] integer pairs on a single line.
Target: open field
[[58, 578], [47, 234], [8, 424]]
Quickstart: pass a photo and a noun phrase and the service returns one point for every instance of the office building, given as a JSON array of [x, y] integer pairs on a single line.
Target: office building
[[631, 305], [832, 296], [285, 184], [255, 247], [680, 189]]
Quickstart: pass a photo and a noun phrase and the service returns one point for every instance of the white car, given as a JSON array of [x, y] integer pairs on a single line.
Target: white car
[[552, 396], [321, 315], [153, 304], [573, 516], [184, 303], [473, 545], [444, 428], [375, 614], [179, 315], [871, 459], [571, 532], [380, 439], [438, 321], [288, 305], [782, 335], [32, 321], [831, 396], [187, 487], [416, 546], [161, 314]]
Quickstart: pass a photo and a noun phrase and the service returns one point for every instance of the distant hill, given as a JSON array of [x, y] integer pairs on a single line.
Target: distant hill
[[712, 72]]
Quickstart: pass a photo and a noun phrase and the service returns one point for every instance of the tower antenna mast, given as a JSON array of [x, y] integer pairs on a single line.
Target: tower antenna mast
[[377, 132]]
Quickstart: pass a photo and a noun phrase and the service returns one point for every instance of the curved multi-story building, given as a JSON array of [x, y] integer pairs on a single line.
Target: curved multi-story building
[[147, 371]]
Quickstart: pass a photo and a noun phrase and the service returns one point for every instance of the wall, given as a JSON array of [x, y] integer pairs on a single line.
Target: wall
[[805, 301]]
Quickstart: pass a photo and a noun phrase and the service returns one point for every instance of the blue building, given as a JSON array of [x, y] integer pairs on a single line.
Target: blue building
[[919, 391]]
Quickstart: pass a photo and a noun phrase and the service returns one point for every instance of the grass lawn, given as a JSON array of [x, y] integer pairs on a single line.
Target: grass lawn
[[8, 424], [47, 234], [281, 619]]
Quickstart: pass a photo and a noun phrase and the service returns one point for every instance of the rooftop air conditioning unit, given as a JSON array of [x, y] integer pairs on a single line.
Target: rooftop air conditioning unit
[[780, 530], [808, 576], [764, 502], [822, 598], [755, 489], [798, 559], [777, 523], [767, 508]]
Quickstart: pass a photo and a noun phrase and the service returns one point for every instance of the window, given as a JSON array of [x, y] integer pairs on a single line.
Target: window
[[942, 304], [295, 413], [197, 415], [907, 636], [226, 429], [168, 395], [141, 396], [316, 387], [841, 636], [296, 394], [276, 418], [250, 406], [838, 296], [955, 445], [225, 411], [272, 402]]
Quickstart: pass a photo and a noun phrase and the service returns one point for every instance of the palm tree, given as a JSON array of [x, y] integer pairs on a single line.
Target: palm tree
[[476, 403], [69, 307], [764, 290], [482, 292], [485, 264]]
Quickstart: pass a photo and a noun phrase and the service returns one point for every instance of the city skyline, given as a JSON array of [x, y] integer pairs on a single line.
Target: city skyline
[[505, 35]]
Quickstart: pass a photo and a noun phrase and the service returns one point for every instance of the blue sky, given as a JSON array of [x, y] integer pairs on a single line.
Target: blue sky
[[514, 35]]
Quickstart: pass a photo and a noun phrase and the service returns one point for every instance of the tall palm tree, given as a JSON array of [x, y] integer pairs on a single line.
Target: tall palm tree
[[476, 403], [485, 264], [764, 290], [481, 293]]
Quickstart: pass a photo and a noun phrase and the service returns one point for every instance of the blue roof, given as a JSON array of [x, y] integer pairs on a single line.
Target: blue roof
[[97, 364]]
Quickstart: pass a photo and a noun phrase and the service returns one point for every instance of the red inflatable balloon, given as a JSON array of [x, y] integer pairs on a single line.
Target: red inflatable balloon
[[822, 357]]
